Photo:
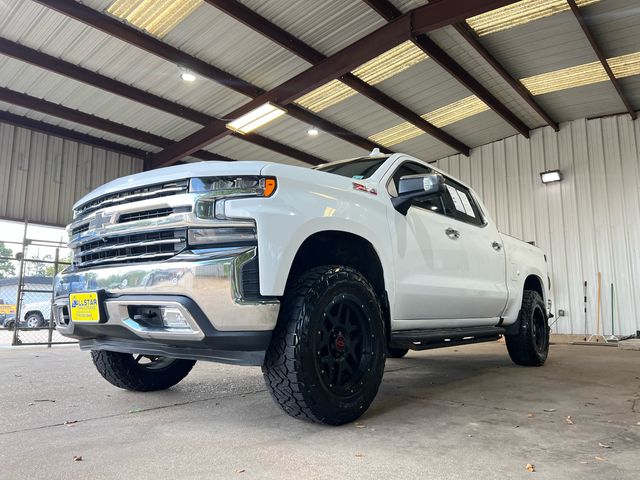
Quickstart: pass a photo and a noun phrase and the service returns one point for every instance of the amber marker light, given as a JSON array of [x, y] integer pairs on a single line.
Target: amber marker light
[[270, 185]]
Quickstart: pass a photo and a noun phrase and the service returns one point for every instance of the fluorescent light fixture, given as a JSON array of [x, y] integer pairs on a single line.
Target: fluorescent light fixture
[[158, 17], [382, 67], [440, 117], [256, 118], [587, 74], [551, 176], [313, 132], [622, 66], [519, 13], [188, 76]]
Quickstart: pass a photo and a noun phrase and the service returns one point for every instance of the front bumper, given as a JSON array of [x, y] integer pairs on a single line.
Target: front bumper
[[205, 286]]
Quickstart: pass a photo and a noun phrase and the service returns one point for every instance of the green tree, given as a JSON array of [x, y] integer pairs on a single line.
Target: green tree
[[7, 268]]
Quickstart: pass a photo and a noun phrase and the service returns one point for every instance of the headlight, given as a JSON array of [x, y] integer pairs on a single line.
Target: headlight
[[234, 186]]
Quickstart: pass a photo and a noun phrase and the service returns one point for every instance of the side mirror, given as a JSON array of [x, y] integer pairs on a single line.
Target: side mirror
[[417, 186]]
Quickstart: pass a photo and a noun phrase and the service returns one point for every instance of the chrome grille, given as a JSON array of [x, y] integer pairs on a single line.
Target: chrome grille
[[131, 248], [133, 195]]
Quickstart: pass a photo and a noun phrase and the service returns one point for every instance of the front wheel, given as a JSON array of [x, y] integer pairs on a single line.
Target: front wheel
[[34, 320], [396, 352], [326, 358], [530, 346], [141, 373]]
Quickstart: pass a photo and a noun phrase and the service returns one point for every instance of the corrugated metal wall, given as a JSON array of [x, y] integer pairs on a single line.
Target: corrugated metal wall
[[41, 176], [587, 223]]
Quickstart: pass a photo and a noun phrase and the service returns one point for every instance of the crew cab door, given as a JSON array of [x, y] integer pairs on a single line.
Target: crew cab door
[[447, 265]]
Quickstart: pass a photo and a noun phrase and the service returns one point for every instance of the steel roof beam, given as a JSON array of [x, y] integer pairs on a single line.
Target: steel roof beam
[[389, 12], [603, 59], [420, 20], [135, 37], [288, 41], [68, 134], [472, 39], [53, 64], [49, 108], [443, 59]]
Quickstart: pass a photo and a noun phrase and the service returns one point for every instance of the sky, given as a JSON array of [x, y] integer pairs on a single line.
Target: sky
[[14, 231]]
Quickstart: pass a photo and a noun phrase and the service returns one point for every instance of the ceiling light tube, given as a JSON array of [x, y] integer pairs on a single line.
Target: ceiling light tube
[[256, 118]]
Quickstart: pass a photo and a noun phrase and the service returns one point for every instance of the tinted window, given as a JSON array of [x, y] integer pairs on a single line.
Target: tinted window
[[359, 169], [461, 204]]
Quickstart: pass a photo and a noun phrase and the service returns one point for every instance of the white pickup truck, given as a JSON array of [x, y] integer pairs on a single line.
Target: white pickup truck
[[317, 275]]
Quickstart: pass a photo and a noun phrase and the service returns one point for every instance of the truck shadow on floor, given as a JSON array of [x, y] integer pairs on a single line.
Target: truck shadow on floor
[[423, 380]]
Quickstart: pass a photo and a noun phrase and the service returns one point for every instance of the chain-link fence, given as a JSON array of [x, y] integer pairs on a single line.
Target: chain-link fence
[[28, 269]]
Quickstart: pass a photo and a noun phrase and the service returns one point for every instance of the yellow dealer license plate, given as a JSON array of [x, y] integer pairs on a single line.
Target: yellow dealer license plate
[[84, 307]]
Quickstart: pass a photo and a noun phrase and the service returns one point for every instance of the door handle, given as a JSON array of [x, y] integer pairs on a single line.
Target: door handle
[[452, 233], [497, 246]]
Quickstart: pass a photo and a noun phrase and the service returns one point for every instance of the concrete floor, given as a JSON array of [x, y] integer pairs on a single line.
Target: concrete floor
[[461, 413]]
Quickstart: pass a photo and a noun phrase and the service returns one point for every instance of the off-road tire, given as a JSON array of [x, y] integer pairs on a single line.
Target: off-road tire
[[34, 320], [302, 346], [123, 371], [530, 346], [396, 352]]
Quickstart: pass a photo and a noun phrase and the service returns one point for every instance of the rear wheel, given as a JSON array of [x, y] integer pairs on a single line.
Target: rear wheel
[[326, 358], [141, 373], [530, 346]]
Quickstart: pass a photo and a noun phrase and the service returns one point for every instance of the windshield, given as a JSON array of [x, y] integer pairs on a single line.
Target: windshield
[[358, 169]]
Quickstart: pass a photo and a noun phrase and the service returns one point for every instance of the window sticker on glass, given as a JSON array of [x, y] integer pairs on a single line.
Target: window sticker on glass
[[358, 177], [456, 199], [468, 209]]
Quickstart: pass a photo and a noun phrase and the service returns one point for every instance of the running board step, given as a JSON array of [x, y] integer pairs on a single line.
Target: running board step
[[443, 337]]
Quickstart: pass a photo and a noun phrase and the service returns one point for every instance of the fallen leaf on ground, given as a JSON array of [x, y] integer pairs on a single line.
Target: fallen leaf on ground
[[601, 459], [241, 470], [530, 468], [530, 415], [359, 425], [70, 422], [569, 420], [77, 458], [45, 400], [603, 445], [135, 410], [31, 403], [549, 410]]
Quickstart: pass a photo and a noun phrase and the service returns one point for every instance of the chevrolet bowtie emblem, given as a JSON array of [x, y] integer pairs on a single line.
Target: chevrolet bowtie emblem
[[100, 220]]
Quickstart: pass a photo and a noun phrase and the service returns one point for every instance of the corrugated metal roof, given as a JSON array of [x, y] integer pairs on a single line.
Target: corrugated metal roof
[[55, 88], [235, 148], [38, 27], [328, 26], [537, 47], [294, 132], [74, 126]]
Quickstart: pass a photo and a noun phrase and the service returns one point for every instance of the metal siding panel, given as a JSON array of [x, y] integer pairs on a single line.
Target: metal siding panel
[[589, 222], [630, 165], [19, 169], [43, 175], [6, 149], [512, 171]]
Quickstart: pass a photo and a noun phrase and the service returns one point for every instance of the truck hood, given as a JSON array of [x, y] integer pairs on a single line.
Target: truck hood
[[177, 172]]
